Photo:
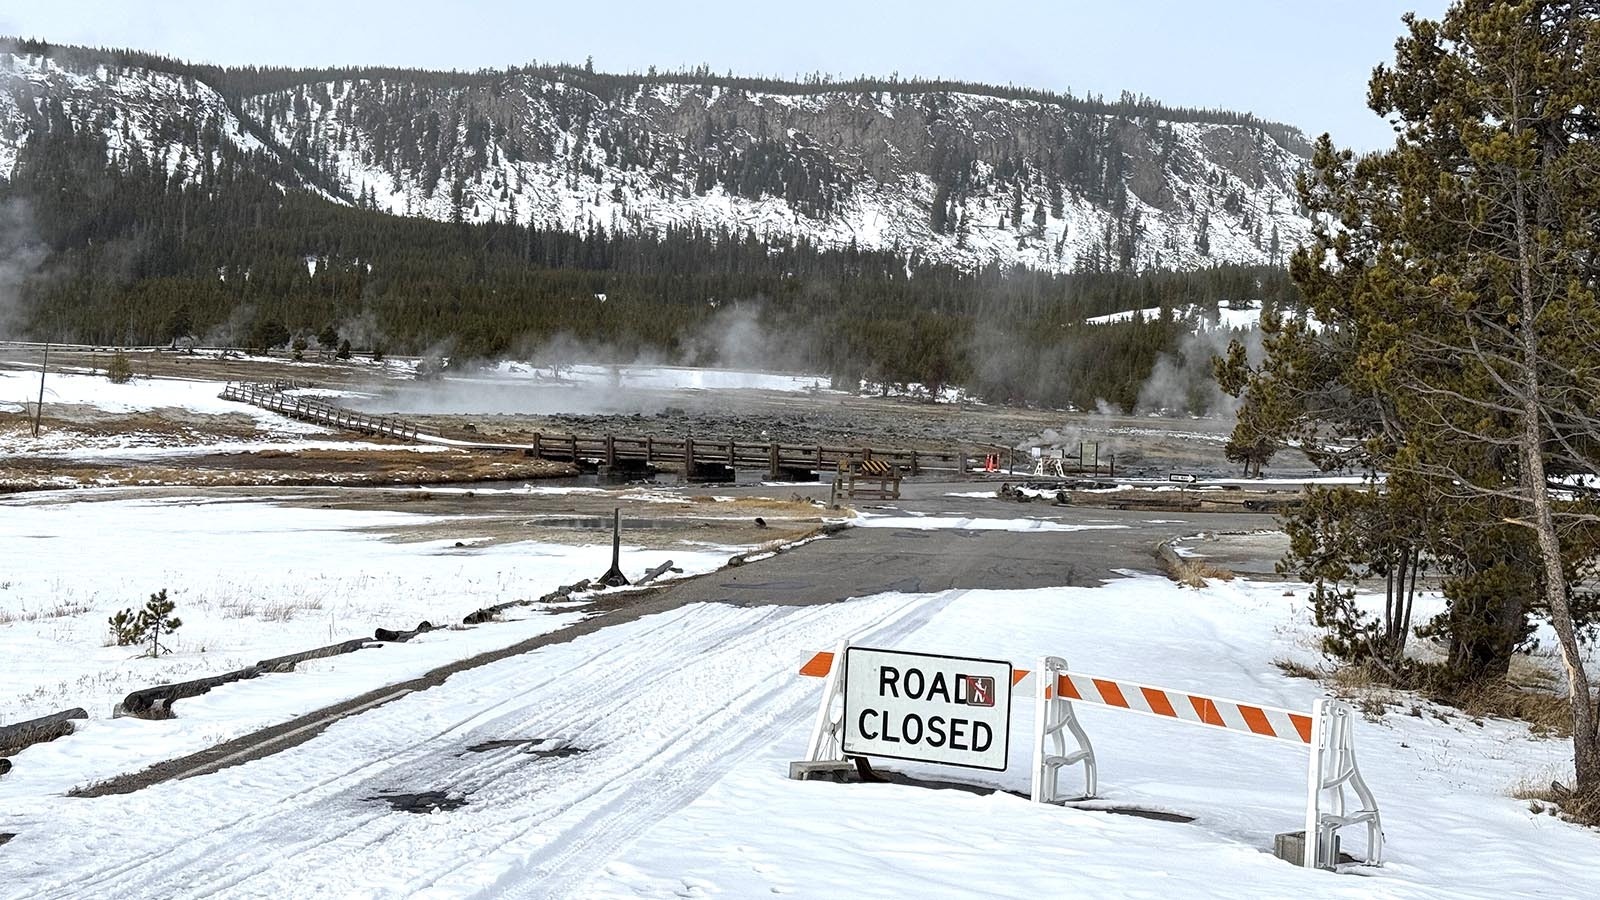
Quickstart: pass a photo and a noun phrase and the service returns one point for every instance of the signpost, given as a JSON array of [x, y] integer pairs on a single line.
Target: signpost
[[949, 710]]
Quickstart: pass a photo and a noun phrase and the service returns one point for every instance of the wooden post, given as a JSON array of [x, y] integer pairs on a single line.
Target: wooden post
[[649, 450], [772, 461], [688, 458], [961, 460], [1097, 459], [819, 458], [572, 444], [537, 452], [611, 450]]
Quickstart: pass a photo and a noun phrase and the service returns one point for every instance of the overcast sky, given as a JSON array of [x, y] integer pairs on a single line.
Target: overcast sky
[[1297, 61]]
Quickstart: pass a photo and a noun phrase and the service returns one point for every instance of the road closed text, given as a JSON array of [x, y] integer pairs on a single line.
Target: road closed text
[[931, 708], [935, 731]]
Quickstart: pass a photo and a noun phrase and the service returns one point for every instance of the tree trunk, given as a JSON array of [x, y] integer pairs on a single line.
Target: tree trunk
[[1585, 740]]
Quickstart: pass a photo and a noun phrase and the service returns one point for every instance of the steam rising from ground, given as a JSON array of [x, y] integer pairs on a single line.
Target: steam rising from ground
[[21, 255], [1183, 382], [565, 375]]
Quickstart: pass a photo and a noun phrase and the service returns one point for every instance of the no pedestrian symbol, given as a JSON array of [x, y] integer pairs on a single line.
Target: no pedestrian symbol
[[977, 690]]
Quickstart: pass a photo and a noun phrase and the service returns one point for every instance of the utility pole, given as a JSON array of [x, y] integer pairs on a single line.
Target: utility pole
[[38, 412]]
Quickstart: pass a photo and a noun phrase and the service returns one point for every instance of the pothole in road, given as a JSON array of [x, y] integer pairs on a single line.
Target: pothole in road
[[421, 801]]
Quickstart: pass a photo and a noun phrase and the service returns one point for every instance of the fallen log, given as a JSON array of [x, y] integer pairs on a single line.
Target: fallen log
[[652, 574], [400, 637], [288, 662], [20, 735]]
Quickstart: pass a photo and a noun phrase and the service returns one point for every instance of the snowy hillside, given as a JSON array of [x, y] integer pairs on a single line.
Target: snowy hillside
[[178, 121], [832, 168], [955, 176]]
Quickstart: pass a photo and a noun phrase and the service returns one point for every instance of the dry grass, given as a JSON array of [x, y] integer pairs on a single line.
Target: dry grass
[[283, 467], [1556, 799], [1297, 670], [1366, 687], [1545, 713], [276, 611], [1192, 572], [59, 611]]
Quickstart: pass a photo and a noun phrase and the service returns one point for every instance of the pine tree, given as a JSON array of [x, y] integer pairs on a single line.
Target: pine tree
[[1459, 296]]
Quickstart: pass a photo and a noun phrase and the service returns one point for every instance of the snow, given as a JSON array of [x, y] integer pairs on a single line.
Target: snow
[[1222, 318], [252, 579], [1451, 829], [664, 378], [19, 390], [684, 723], [962, 523]]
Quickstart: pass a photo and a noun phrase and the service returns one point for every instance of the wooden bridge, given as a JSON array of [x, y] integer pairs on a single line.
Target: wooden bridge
[[310, 409], [698, 457]]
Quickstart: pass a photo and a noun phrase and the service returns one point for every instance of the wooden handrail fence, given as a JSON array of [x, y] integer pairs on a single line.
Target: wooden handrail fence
[[692, 454]]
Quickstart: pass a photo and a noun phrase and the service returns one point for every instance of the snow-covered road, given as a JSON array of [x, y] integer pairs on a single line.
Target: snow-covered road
[[656, 710]]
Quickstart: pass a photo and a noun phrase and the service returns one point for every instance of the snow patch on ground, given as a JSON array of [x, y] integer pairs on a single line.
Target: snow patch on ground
[[252, 579], [962, 523]]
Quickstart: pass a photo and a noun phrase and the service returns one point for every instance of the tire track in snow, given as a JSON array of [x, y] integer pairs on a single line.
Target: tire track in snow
[[188, 844], [664, 706]]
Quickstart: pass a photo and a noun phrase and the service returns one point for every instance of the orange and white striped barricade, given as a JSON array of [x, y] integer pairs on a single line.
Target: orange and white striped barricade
[[1326, 732]]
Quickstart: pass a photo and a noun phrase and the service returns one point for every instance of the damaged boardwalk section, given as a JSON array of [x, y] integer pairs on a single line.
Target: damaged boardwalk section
[[708, 459]]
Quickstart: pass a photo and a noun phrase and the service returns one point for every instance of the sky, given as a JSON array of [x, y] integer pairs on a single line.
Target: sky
[[1296, 61]]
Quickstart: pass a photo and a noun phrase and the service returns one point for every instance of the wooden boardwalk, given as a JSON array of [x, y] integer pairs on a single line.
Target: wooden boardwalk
[[695, 456], [310, 409]]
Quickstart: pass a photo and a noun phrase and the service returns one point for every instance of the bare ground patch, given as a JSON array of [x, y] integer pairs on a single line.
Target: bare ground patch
[[281, 467]]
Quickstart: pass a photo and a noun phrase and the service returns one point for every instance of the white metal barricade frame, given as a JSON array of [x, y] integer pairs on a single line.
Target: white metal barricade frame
[[1053, 719], [1327, 733]]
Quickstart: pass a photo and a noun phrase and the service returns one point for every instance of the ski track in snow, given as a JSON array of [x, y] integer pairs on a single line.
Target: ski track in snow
[[299, 823]]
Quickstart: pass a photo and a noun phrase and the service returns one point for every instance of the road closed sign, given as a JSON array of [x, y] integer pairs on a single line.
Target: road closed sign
[[915, 706]]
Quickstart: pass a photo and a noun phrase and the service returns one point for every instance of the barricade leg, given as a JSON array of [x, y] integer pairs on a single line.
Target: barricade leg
[[826, 743], [1333, 769], [1053, 717]]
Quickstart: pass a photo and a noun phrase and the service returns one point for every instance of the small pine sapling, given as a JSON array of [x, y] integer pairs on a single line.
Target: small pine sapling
[[125, 628], [157, 619], [119, 370]]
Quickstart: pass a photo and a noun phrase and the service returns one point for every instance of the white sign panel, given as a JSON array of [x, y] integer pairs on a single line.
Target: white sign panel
[[915, 706]]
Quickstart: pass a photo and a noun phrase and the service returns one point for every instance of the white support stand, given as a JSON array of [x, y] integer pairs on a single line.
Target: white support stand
[[827, 742], [1052, 716], [1332, 769]]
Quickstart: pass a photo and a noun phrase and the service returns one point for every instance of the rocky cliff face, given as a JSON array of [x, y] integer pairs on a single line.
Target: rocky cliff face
[[957, 176]]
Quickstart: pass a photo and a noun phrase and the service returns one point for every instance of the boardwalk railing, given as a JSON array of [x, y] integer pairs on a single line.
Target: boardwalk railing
[[689, 453], [311, 409]]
